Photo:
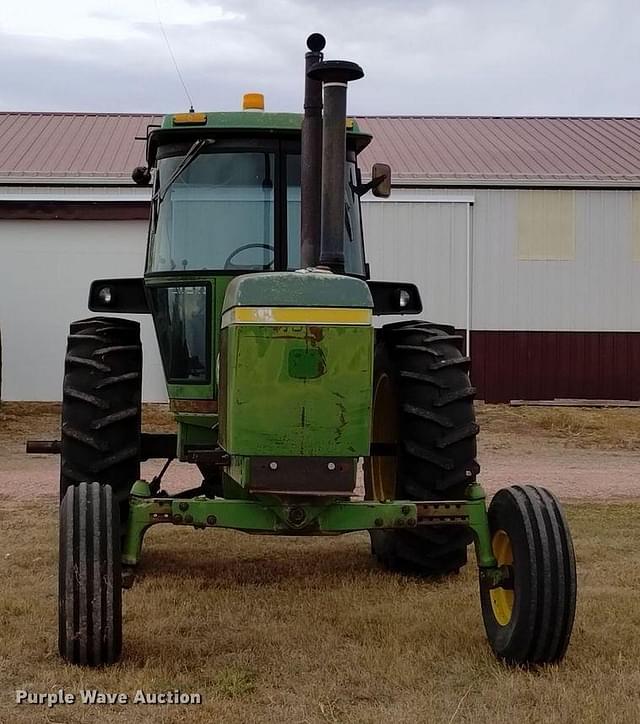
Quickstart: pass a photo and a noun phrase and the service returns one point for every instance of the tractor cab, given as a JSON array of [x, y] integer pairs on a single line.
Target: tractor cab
[[226, 201], [226, 194]]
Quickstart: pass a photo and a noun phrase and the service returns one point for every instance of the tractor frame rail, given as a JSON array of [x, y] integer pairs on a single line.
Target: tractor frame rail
[[272, 515]]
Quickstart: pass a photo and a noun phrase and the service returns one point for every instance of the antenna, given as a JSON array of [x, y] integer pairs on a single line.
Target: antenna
[[173, 58]]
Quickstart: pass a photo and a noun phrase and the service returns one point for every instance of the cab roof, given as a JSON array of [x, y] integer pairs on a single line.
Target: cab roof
[[235, 120], [187, 126]]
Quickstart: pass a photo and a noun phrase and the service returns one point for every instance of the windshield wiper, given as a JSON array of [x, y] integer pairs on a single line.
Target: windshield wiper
[[190, 156]]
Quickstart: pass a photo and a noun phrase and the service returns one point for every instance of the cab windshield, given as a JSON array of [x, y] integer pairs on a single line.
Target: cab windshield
[[224, 212]]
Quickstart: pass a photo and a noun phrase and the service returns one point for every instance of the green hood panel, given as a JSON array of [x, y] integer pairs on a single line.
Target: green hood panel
[[297, 289]]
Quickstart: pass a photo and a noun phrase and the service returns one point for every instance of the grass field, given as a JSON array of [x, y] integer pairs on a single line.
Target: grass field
[[607, 428], [294, 630], [613, 428]]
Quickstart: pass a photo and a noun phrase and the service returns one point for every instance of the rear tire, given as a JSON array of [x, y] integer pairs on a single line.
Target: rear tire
[[530, 621], [419, 368], [90, 579], [101, 406]]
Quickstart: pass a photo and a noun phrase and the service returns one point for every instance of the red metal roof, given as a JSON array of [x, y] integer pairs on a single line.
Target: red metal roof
[[58, 145], [512, 150], [425, 149]]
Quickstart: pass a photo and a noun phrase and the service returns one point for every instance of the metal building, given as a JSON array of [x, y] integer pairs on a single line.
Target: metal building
[[526, 232], [523, 232]]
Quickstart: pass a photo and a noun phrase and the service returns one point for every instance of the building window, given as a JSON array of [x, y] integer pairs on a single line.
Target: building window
[[546, 225]]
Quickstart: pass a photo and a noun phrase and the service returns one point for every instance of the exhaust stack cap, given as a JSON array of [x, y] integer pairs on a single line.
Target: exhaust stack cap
[[335, 71], [316, 42]]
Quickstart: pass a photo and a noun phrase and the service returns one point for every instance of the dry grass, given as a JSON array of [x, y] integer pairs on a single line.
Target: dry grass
[[22, 420], [608, 428], [308, 630], [603, 428]]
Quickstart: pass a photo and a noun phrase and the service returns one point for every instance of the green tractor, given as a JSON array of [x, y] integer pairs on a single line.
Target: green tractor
[[280, 384]]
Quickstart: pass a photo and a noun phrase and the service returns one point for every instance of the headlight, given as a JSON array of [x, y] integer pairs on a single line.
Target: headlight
[[105, 295]]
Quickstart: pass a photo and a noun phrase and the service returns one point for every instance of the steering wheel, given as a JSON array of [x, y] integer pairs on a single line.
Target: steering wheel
[[229, 265]]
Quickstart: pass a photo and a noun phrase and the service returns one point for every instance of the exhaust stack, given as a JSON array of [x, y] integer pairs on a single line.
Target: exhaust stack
[[334, 76], [311, 158]]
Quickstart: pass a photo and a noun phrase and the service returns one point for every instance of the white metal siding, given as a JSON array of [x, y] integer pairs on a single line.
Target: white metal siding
[[46, 267], [424, 243], [599, 290], [45, 271]]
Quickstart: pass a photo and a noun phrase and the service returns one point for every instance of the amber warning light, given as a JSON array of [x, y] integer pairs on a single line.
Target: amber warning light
[[253, 102]]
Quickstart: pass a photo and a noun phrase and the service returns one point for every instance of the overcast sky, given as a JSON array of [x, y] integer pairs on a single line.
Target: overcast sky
[[492, 57]]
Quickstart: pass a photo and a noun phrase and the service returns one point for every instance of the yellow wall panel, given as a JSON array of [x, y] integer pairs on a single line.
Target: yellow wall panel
[[546, 225]]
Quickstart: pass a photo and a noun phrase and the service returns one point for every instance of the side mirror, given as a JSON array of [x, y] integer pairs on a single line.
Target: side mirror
[[118, 295], [381, 180], [141, 175]]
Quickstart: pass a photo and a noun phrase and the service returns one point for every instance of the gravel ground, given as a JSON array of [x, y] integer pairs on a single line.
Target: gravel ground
[[506, 458], [572, 474]]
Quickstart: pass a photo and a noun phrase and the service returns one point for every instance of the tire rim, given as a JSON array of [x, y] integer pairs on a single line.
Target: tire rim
[[384, 429], [502, 598]]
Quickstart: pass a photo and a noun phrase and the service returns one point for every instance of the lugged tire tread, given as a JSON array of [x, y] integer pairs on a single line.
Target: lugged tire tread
[[86, 397], [437, 443], [431, 456], [425, 414], [84, 438], [463, 362], [421, 377], [464, 393], [116, 348], [83, 361], [82, 337], [103, 422], [470, 430], [101, 411], [122, 455], [417, 348], [73, 475], [116, 379]]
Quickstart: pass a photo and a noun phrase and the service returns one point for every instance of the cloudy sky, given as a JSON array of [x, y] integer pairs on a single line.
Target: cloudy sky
[[493, 57]]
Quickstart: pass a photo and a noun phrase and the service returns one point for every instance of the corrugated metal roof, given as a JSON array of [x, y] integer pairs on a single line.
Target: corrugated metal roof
[[513, 150], [72, 145], [452, 150]]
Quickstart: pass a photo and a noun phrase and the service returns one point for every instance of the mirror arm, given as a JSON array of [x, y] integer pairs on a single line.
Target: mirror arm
[[362, 189]]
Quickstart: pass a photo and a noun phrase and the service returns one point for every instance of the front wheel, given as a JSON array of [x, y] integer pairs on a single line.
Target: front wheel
[[90, 579], [529, 620]]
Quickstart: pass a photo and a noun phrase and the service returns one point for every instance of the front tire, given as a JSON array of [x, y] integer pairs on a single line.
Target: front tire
[[529, 621], [90, 579], [422, 407]]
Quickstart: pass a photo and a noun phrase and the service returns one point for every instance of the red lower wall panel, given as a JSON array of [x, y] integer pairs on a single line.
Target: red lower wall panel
[[548, 365]]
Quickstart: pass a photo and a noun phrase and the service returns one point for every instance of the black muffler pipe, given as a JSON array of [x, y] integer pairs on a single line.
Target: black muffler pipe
[[334, 74], [311, 158]]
